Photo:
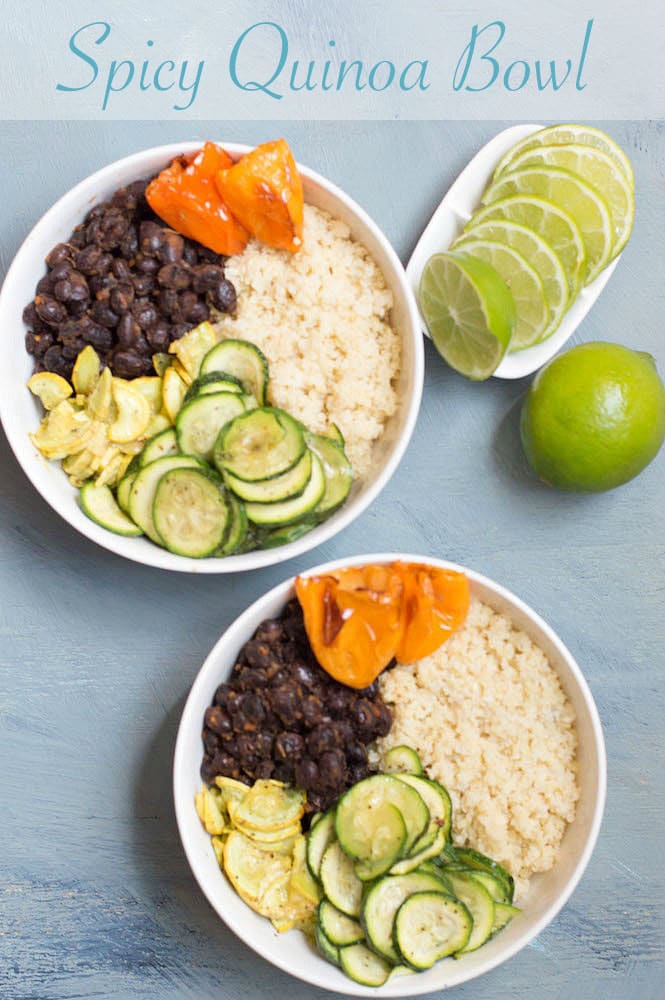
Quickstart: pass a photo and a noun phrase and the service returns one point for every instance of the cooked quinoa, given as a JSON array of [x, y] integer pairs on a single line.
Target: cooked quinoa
[[322, 318], [488, 716]]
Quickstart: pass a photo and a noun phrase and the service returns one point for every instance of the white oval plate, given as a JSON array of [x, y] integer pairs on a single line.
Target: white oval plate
[[452, 215]]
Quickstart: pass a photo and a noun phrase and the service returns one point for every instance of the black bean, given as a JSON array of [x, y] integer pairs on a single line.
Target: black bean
[[50, 310], [77, 239], [312, 711], [269, 631], [61, 271], [206, 277], [129, 244], [61, 253], [289, 745], [44, 285], [185, 304], [144, 313], [127, 364], [224, 764], [168, 301], [175, 276], [146, 265], [199, 313], [285, 702], [384, 720], [190, 253], [179, 330], [100, 285], [223, 296], [53, 358], [306, 773], [211, 742], [121, 297], [144, 284], [158, 337], [332, 769], [216, 718], [73, 288], [321, 739], [102, 313], [356, 753], [30, 317], [99, 337], [31, 342], [208, 770], [121, 270], [112, 227], [264, 769], [143, 347], [171, 248], [222, 695], [91, 260]]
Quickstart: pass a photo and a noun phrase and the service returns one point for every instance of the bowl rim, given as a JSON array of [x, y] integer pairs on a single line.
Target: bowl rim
[[238, 628], [259, 558]]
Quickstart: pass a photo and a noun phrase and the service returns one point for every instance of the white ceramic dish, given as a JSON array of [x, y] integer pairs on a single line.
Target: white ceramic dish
[[292, 951], [455, 210], [21, 412]]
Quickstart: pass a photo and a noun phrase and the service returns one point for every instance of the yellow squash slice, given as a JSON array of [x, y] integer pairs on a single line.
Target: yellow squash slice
[[250, 869], [133, 412], [160, 362], [191, 349], [86, 371], [100, 401], [50, 388], [269, 805], [173, 392], [150, 386]]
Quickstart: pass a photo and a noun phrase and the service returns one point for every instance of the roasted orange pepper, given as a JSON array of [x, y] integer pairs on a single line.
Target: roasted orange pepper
[[435, 604], [358, 619], [186, 197], [264, 191]]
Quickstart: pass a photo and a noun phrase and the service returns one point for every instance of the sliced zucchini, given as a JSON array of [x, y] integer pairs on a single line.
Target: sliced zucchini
[[164, 443], [480, 905], [402, 760], [237, 529], [440, 808], [321, 834], [337, 927], [494, 885], [385, 843], [214, 382], [503, 914], [326, 946], [413, 861], [340, 882], [190, 513], [337, 470], [242, 360], [284, 536], [335, 434], [430, 926], [480, 862], [123, 490], [100, 506], [287, 511], [382, 902], [260, 444], [354, 824], [142, 494], [363, 965], [429, 868], [199, 422], [290, 484]]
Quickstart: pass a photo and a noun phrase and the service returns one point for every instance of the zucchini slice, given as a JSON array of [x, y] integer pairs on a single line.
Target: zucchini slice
[[363, 965], [494, 885], [385, 843], [237, 529], [214, 382], [142, 493], [402, 760], [283, 536], [260, 444], [199, 422], [242, 360], [440, 808], [100, 506], [290, 484], [335, 434], [503, 914], [480, 905], [382, 902], [329, 950], [480, 862], [430, 926], [337, 470], [190, 513], [409, 864], [354, 824], [340, 882], [287, 511], [337, 927], [164, 443], [320, 836], [123, 490]]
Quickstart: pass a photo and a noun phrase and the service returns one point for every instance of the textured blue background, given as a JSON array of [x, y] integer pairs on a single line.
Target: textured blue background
[[97, 654]]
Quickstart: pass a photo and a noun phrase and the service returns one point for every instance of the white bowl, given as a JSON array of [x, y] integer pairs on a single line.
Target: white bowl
[[448, 221], [292, 951], [21, 412]]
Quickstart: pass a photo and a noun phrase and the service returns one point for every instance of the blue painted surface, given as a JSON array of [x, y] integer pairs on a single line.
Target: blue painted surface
[[97, 654]]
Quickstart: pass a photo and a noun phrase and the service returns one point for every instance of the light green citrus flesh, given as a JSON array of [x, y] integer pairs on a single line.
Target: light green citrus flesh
[[539, 255], [533, 314], [594, 417], [552, 223], [469, 311], [597, 169], [581, 201], [557, 135]]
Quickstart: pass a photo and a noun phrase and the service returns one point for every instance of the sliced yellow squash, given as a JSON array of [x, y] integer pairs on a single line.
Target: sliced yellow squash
[[86, 371], [252, 870], [51, 389], [133, 412], [191, 349], [150, 386], [269, 806], [100, 401], [173, 392]]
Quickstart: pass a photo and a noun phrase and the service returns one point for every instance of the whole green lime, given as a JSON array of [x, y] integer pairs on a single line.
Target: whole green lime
[[594, 417]]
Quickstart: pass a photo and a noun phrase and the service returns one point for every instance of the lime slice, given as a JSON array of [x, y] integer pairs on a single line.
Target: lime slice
[[565, 189], [580, 135], [540, 256], [469, 311], [598, 170], [554, 225], [533, 314]]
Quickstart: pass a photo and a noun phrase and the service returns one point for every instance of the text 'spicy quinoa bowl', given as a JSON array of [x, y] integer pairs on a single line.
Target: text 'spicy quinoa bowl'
[[307, 745], [341, 394]]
